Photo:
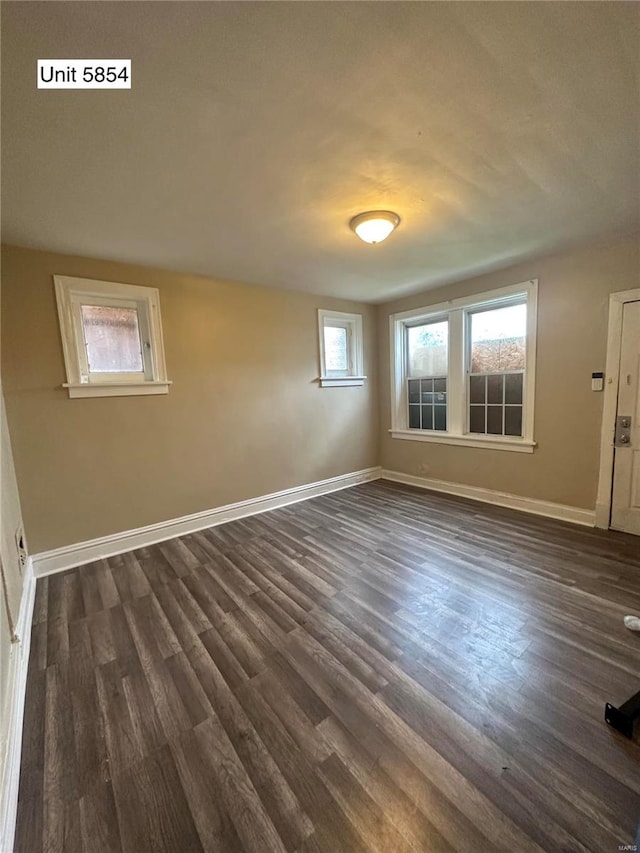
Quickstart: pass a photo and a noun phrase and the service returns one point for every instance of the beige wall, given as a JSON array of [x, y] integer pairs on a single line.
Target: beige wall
[[572, 332], [243, 418]]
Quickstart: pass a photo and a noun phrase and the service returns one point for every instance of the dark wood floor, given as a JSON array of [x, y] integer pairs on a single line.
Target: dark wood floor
[[378, 669]]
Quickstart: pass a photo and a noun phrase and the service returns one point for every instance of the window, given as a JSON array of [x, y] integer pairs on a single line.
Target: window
[[464, 371], [111, 338], [341, 351], [427, 369], [497, 358]]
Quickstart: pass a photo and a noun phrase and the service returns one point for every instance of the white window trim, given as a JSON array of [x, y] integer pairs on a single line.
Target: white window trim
[[354, 375], [457, 311], [69, 291]]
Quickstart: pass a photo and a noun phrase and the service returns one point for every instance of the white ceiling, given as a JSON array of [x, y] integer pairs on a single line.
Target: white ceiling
[[254, 131]]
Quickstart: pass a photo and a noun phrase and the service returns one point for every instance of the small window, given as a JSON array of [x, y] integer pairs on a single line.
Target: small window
[[341, 350], [336, 349], [111, 337]]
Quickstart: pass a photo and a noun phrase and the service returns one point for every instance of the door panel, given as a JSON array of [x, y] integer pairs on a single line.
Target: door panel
[[625, 509]]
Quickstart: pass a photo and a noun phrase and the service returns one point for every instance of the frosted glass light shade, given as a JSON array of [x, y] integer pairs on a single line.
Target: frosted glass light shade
[[374, 226]]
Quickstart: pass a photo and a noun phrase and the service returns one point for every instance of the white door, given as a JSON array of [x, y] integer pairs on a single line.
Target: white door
[[625, 507]]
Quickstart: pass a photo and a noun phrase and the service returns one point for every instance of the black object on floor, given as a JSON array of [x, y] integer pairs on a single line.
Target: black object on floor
[[624, 717]]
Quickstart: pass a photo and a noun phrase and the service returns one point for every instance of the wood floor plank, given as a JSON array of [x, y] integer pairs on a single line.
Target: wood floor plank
[[151, 807], [250, 818], [73, 594], [412, 824], [278, 799], [99, 820], [90, 592], [102, 640], [363, 812], [295, 721], [121, 742], [128, 576], [60, 791], [225, 660], [332, 830], [377, 669], [107, 588], [215, 827], [88, 724]]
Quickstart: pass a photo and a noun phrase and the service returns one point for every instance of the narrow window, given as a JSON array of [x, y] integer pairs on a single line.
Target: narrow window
[[336, 348], [427, 371]]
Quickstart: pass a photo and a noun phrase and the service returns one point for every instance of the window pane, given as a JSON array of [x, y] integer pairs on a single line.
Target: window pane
[[427, 417], [335, 348], [428, 349], [476, 419], [426, 386], [440, 417], [513, 388], [477, 386], [498, 339], [112, 339], [414, 390], [414, 417], [513, 420], [494, 420], [494, 388]]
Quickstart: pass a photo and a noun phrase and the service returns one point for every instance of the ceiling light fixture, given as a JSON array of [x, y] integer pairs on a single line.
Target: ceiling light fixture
[[374, 226]]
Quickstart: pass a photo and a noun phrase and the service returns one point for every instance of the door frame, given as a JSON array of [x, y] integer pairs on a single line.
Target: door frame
[[612, 371]]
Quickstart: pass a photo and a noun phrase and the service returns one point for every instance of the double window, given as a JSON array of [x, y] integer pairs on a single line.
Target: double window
[[463, 372]]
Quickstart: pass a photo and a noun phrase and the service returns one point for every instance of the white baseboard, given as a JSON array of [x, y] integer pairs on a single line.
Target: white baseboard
[[574, 514], [70, 556], [18, 666]]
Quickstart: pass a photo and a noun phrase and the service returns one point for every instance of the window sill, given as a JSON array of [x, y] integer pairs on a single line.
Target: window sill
[[340, 381], [116, 389], [515, 445]]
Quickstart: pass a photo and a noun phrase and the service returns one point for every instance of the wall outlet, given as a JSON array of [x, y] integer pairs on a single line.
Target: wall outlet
[[21, 548]]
